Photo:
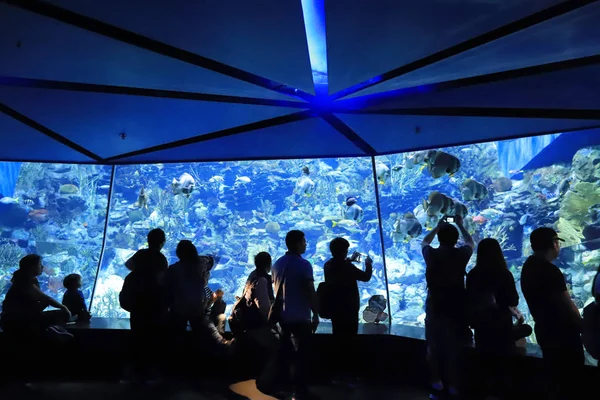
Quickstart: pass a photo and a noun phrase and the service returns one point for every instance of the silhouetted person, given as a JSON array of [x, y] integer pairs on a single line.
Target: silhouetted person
[[73, 298], [23, 314], [342, 275], [492, 298], [295, 275], [145, 291], [557, 319], [187, 279], [446, 325], [258, 295]]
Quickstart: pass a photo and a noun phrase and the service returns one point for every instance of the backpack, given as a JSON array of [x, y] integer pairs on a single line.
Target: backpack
[[325, 300], [132, 291], [590, 334], [245, 314]]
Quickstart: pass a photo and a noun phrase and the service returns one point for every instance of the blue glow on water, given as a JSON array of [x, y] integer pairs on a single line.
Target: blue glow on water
[[316, 36]]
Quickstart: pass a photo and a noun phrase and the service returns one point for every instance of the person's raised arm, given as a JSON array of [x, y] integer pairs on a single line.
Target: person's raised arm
[[463, 231], [364, 276], [431, 235]]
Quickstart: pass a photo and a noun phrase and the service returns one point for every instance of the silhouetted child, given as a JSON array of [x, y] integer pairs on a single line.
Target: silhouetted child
[[73, 298], [217, 311]]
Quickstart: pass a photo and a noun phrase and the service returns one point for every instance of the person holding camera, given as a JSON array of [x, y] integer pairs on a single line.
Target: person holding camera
[[446, 324], [341, 275]]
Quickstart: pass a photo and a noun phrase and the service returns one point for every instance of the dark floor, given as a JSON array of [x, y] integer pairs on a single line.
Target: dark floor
[[241, 390]]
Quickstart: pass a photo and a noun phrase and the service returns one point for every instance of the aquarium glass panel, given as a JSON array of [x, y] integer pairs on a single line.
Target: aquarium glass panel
[[508, 188], [57, 211], [238, 209]]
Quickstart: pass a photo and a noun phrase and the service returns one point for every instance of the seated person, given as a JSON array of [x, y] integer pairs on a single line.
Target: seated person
[[23, 307], [73, 298]]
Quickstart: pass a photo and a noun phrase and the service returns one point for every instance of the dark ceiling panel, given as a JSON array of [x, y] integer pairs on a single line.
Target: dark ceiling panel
[[374, 37], [33, 46], [265, 37], [575, 88], [22, 143], [307, 138], [569, 36], [396, 133], [95, 120]]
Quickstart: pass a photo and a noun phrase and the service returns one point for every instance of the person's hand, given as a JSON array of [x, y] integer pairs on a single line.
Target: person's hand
[[67, 311], [368, 261], [440, 223], [458, 219], [315, 322]]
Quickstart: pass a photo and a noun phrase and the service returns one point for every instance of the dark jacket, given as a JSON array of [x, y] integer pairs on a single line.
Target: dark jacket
[[343, 275]]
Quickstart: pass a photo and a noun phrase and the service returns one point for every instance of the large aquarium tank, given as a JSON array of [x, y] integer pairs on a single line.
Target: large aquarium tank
[[57, 211], [504, 190], [235, 210]]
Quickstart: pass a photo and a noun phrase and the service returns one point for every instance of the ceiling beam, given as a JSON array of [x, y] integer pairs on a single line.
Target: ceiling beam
[[349, 133], [486, 112], [500, 32], [373, 99], [144, 42], [47, 131], [143, 92], [267, 123]]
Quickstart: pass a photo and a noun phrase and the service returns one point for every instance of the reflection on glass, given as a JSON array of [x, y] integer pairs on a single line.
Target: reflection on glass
[[506, 189], [236, 210], [57, 211]]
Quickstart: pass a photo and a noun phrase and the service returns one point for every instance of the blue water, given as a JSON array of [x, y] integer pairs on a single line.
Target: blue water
[[238, 209]]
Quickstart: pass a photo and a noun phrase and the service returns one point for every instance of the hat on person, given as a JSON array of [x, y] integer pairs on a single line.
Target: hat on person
[[543, 239]]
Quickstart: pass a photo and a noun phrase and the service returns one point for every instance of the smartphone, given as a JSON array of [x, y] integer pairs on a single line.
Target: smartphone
[[449, 219], [356, 256]]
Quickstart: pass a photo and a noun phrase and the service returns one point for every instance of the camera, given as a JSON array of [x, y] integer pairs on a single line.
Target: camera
[[356, 257], [449, 219]]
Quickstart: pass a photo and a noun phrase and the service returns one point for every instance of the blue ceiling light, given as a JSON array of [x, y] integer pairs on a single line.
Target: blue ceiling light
[[314, 23]]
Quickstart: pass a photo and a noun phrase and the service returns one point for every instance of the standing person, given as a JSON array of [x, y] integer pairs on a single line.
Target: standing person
[[557, 319], [446, 325], [144, 295], [492, 303], [342, 276], [293, 275]]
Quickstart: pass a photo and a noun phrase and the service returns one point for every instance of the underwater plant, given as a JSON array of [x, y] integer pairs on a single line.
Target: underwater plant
[[10, 255]]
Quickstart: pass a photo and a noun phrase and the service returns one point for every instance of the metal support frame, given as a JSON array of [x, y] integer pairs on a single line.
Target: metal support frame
[[378, 204], [110, 190]]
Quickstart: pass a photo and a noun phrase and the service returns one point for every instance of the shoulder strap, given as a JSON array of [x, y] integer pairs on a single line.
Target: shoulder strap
[[279, 293]]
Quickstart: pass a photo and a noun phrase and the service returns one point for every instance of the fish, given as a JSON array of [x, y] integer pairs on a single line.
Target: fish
[[382, 172], [406, 228], [305, 186], [415, 159], [242, 179], [440, 163], [523, 219], [9, 200], [473, 190], [142, 201], [354, 212], [184, 185], [437, 204]]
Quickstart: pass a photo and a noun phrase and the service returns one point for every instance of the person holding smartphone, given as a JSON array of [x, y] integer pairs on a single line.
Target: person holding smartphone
[[446, 324], [342, 276]]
